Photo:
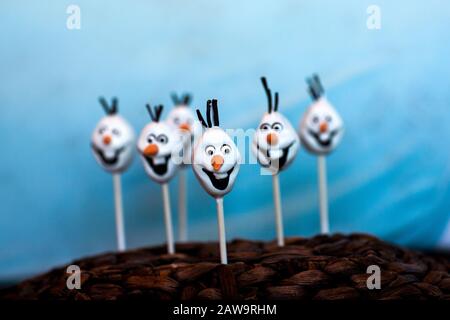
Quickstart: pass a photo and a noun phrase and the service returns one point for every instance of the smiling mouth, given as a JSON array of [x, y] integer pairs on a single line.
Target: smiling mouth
[[281, 160], [324, 143], [159, 168], [220, 184], [105, 160]]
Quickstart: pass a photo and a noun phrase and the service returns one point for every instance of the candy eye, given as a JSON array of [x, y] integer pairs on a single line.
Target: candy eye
[[116, 132], [176, 120], [162, 138], [328, 118], [315, 119], [101, 130], [151, 138], [210, 150], [264, 127], [277, 126], [226, 149]]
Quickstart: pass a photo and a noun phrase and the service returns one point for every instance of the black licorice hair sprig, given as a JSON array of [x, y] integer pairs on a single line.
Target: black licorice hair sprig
[[155, 114], [210, 122], [109, 110], [315, 87], [184, 100], [272, 106], [187, 98]]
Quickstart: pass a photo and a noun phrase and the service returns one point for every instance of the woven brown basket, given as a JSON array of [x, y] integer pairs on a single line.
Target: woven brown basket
[[320, 268]]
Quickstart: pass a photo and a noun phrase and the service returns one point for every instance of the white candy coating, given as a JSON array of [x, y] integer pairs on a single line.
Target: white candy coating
[[321, 127], [182, 118], [112, 143], [160, 148], [216, 161], [275, 143]]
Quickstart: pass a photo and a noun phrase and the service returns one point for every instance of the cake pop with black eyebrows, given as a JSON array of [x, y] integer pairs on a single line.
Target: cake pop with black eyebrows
[[216, 160], [160, 147], [275, 146], [321, 128], [276, 142], [112, 139], [112, 144], [183, 120]]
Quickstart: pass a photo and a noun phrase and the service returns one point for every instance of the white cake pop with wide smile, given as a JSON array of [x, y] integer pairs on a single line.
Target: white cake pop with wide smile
[[216, 158], [183, 119], [321, 128], [112, 140], [160, 147], [276, 142]]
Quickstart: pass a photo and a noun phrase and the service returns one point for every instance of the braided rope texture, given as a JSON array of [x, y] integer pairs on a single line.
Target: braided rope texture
[[318, 268]]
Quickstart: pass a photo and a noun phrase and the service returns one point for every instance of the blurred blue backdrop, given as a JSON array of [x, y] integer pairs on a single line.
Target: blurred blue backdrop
[[390, 176]]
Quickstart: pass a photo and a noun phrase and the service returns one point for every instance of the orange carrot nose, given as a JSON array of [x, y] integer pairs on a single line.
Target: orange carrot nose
[[185, 127], [217, 162], [151, 150], [323, 127], [107, 140], [272, 138]]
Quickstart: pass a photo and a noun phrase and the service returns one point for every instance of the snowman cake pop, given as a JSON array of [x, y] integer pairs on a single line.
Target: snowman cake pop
[[321, 130], [321, 127], [112, 144], [183, 120], [112, 139], [160, 147], [275, 146], [276, 142], [216, 160]]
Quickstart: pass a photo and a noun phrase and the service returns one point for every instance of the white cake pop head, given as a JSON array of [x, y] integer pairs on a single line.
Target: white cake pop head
[[216, 159], [159, 146], [112, 140], [275, 143], [321, 128], [183, 119]]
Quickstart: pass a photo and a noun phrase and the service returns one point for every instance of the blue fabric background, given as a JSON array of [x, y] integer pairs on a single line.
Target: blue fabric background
[[390, 176]]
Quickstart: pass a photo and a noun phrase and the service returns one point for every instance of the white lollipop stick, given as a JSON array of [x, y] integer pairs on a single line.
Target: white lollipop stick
[[323, 197], [278, 213], [221, 224], [120, 229], [182, 204], [168, 218]]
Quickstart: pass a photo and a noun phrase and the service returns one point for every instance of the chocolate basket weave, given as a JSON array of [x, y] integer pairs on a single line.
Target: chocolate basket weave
[[318, 268]]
